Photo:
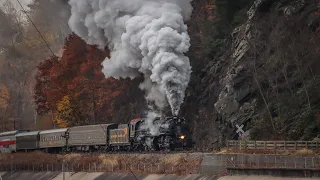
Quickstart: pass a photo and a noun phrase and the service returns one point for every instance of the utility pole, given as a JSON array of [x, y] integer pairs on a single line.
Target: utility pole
[[66, 135], [15, 125], [35, 116]]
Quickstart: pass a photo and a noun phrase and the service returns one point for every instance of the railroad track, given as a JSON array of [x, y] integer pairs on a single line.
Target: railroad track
[[140, 153]]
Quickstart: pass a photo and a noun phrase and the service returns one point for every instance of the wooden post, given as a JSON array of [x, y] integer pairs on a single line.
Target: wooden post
[[305, 162], [295, 145], [275, 147], [63, 171], [312, 162], [255, 145], [265, 146]]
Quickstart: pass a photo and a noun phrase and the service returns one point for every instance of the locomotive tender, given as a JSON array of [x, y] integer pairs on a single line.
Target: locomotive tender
[[172, 133]]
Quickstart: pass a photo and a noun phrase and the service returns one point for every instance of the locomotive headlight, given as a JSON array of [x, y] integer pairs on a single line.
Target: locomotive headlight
[[181, 137]]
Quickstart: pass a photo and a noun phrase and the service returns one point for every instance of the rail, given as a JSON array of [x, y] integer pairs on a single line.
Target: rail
[[273, 145]]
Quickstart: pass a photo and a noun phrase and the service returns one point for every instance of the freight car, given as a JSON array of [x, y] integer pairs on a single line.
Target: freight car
[[166, 134]]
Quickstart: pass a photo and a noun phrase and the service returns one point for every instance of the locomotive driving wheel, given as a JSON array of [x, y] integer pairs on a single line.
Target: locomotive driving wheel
[[168, 144]]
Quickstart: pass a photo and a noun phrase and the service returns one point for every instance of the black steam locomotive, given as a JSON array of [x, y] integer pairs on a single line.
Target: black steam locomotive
[[163, 134], [168, 134]]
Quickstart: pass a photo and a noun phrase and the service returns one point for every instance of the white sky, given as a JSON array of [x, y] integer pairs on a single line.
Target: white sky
[[23, 2]]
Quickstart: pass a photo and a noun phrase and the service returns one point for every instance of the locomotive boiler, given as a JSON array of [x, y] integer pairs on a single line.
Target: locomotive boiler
[[166, 134]]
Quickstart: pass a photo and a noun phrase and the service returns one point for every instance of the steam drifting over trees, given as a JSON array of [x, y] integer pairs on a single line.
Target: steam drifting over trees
[[147, 37]]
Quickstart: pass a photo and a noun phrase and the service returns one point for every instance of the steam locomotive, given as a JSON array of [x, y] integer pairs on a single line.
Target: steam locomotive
[[167, 134]]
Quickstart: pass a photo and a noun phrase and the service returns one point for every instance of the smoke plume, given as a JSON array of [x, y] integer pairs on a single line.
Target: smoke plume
[[149, 124], [144, 36]]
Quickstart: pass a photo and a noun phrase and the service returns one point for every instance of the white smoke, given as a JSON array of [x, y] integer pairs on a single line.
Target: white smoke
[[153, 130], [144, 36]]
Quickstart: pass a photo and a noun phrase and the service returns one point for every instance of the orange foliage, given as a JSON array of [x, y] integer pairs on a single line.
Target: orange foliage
[[78, 75]]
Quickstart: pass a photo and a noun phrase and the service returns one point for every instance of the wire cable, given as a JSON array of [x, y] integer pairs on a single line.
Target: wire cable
[[123, 159], [23, 10]]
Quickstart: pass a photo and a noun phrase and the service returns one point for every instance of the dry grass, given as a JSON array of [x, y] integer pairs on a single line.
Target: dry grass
[[144, 163], [25, 158], [304, 152]]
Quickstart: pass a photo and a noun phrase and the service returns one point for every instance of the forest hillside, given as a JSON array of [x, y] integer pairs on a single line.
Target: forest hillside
[[254, 62]]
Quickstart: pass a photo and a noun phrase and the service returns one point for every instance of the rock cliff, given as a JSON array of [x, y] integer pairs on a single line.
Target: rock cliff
[[266, 78]]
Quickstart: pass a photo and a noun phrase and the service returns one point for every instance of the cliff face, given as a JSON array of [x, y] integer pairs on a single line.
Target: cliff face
[[265, 78]]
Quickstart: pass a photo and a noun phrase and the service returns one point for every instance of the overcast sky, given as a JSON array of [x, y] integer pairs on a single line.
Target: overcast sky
[[24, 2]]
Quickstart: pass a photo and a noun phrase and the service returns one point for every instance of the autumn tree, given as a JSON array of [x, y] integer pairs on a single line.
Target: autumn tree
[[74, 88], [51, 19], [4, 103], [16, 64], [69, 113]]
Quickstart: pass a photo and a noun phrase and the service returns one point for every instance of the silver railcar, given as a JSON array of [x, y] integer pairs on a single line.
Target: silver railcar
[[52, 139], [8, 141], [89, 137], [28, 141]]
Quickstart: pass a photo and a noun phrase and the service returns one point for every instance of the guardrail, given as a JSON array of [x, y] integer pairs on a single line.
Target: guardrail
[[273, 161], [94, 167], [273, 145]]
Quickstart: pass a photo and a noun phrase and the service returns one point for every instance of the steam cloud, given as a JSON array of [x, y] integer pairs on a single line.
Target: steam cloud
[[144, 36]]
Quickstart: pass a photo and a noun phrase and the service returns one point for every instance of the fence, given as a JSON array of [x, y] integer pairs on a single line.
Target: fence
[[273, 145], [93, 167], [272, 161]]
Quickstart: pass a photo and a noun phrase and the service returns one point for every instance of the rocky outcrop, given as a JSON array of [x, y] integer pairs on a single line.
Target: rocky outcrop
[[237, 99]]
